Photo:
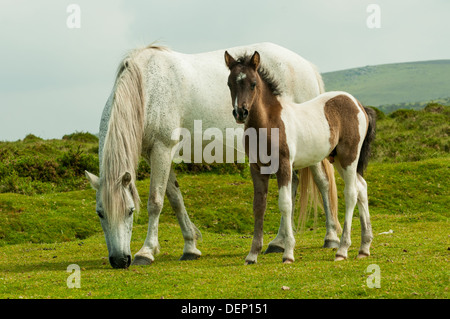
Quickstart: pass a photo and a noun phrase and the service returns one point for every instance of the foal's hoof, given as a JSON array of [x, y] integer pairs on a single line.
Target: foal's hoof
[[287, 261], [250, 262], [189, 256], [329, 243], [141, 261], [274, 249], [339, 258]]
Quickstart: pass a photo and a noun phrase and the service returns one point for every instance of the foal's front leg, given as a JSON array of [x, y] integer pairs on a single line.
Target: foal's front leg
[[285, 205], [260, 188], [277, 244]]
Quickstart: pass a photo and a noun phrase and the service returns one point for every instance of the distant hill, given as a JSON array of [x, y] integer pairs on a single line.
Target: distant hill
[[392, 86]]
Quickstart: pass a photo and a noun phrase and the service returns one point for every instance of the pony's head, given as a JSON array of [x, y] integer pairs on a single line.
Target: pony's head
[[243, 82], [119, 150], [115, 206]]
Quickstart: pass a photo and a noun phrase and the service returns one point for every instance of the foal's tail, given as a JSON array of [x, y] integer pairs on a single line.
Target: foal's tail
[[370, 136]]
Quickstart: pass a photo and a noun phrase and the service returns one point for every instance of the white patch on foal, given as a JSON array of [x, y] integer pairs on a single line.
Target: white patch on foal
[[241, 76]]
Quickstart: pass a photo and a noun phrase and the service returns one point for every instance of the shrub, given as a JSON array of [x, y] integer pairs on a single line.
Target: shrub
[[83, 137], [30, 138], [37, 168], [77, 162]]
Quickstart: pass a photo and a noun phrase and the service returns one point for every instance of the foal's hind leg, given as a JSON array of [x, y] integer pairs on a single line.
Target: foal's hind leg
[[321, 180], [160, 163], [188, 229], [366, 227], [351, 196]]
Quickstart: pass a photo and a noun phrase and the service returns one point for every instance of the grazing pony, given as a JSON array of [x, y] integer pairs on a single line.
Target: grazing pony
[[156, 92], [333, 124]]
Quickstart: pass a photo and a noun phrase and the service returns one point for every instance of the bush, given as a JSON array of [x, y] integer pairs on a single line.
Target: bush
[[30, 138], [77, 162], [37, 168], [83, 137]]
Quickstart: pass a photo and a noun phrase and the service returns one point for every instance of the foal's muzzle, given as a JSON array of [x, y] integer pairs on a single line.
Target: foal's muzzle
[[240, 114]]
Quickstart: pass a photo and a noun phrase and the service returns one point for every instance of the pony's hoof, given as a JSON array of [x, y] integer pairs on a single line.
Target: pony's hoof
[[339, 258], [274, 249], [189, 256], [329, 243], [250, 262], [141, 261], [287, 261], [362, 255]]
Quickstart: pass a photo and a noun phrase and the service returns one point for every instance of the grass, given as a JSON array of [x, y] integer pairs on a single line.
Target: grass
[[409, 198], [48, 222], [409, 136], [410, 268]]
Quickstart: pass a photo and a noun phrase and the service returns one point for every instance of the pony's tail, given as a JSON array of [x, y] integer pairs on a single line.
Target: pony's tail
[[310, 196], [370, 136]]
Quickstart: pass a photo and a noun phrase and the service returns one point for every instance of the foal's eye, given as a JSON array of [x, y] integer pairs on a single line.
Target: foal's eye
[[253, 85], [131, 211]]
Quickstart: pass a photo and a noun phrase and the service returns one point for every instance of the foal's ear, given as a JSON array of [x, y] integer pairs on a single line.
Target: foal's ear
[[255, 60], [229, 60]]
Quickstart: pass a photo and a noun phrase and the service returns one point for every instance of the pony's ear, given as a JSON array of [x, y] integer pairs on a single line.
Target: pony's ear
[[126, 179], [229, 60], [93, 180], [255, 60]]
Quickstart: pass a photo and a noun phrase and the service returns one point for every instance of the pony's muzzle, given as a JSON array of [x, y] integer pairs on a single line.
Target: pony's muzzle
[[120, 261]]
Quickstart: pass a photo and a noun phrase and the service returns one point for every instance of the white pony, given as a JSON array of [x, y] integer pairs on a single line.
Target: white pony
[[156, 92]]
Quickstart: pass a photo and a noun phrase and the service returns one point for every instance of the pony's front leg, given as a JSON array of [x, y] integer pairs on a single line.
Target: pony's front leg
[[188, 229], [160, 163], [260, 189], [285, 206]]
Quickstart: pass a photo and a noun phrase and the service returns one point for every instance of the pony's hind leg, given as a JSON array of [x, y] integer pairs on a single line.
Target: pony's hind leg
[[188, 229], [160, 163], [366, 227], [320, 178]]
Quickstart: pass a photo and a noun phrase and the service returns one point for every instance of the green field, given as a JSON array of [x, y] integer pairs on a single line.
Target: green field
[[45, 227]]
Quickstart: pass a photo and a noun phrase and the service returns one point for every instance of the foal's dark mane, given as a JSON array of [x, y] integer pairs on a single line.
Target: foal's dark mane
[[265, 75]]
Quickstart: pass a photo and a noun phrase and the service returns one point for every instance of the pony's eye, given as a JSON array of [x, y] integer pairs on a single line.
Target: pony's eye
[[131, 211], [100, 214]]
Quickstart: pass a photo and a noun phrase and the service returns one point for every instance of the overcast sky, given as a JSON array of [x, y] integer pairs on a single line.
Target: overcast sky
[[55, 80]]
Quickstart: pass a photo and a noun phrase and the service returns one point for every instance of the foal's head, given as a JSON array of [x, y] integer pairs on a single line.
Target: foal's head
[[243, 82]]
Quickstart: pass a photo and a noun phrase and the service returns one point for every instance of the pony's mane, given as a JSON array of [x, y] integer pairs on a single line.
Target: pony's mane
[[123, 140], [265, 75]]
